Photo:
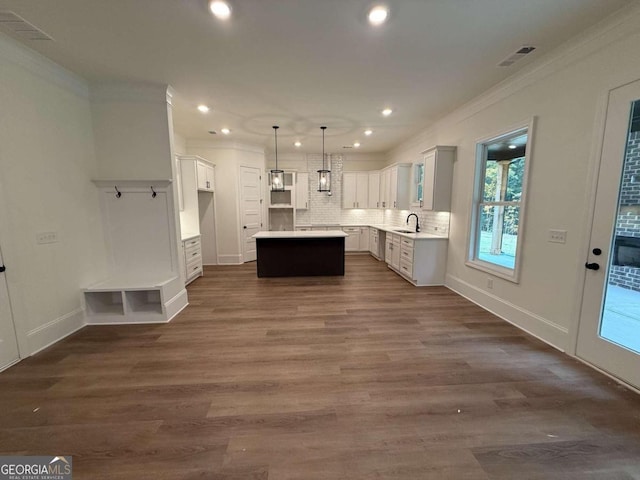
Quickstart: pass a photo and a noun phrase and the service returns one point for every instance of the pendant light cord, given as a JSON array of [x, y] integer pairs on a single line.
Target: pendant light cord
[[275, 130], [323, 129]]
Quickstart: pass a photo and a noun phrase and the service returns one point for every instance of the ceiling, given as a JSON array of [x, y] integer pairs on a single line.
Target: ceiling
[[303, 63]]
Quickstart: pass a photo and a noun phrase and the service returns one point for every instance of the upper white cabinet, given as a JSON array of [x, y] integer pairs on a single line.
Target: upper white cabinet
[[355, 190], [302, 191], [205, 175], [395, 186], [437, 178], [374, 190]]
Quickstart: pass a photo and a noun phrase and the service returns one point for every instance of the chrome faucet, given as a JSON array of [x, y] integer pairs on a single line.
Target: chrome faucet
[[417, 221]]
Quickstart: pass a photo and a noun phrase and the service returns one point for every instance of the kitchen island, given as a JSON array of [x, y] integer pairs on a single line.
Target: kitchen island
[[300, 254]]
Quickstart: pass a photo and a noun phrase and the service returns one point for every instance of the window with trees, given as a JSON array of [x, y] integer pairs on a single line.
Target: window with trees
[[498, 205]]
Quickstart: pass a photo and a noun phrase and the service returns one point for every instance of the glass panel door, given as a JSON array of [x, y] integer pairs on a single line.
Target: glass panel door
[[609, 333]]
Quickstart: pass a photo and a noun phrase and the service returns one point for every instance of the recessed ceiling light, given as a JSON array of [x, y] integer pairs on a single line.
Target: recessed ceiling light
[[203, 108], [368, 132], [220, 9], [378, 15], [356, 144], [513, 147], [386, 112], [297, 144], [226, 131]]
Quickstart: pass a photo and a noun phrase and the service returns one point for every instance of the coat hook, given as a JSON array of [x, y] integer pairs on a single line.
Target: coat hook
[[118, 192], [153, 195]]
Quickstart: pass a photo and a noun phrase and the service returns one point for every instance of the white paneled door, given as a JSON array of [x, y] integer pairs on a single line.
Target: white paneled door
[[251, 210], [8, 342], [609, 333]]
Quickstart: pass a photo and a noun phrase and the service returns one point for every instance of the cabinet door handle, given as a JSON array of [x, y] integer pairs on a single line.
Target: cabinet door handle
[[2, 268]]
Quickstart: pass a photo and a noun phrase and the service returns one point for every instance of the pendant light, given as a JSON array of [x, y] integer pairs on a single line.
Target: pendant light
[[277, 176], [324, 176]]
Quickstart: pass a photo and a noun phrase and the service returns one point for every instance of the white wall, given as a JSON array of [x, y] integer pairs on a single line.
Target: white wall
[[228, 157], [46, 163], [132, 130], [564, 91]]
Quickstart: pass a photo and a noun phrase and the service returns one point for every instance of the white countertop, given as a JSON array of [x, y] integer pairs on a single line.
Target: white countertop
[[415, 236], [298, 234], [188, 236]]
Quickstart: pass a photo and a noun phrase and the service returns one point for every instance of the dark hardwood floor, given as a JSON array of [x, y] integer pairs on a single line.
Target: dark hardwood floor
[[360, 377]]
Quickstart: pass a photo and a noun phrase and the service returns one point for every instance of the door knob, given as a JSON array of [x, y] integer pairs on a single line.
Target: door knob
[[2, 268], [245, 227], [592, 266], [597, 251]]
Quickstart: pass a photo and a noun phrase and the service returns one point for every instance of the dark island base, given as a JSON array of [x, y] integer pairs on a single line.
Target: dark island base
[[300, 257]]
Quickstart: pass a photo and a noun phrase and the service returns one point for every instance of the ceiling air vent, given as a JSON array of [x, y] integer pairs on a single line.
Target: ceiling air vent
[[16, 24], [511, 59]]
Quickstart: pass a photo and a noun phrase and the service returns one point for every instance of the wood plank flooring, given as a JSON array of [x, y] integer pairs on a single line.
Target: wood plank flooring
[[361, 377]]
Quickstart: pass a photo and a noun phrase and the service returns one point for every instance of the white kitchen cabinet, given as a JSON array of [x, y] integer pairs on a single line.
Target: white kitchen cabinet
[[392, 251], [374, 190], [302, 191], [437, 178], [192, 250], [204, 171], [423, 262], [395, 186], [355, 190], [352, 241], [364, 239], [376, 243]]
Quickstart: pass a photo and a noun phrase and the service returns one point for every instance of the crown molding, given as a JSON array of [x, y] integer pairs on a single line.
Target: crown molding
[[619, 25], [135, 92], [13, 51]]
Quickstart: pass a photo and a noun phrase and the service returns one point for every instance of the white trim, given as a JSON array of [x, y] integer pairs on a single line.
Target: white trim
[[541, 328], [175, 305], [612, 28], [230, 259], [10, 364], [589, 199], [132, 184], [52, 332], [130, 92], [39, 65], [512, 275]]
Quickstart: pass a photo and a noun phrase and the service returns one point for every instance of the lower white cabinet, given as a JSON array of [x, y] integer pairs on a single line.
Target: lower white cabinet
[[392, 251], [192, 249], [364, 239], [352, 242], [376, 243], [421, 261]]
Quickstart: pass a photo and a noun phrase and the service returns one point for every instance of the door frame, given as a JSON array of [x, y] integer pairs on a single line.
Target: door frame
[[241, 242], [19, 332], [595, 165]]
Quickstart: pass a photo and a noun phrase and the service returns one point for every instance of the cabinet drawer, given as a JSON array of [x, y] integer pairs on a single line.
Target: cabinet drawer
[[351, 229], [406, 254], [194, 271], [406, 242], [191, 243], [406, 267], [192, 256]]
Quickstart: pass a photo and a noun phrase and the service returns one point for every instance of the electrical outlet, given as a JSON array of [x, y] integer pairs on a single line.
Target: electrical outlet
[[557, 236], [490, 283], [47, 237]]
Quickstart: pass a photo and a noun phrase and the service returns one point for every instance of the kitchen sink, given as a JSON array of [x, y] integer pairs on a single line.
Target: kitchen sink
[[404, 231]]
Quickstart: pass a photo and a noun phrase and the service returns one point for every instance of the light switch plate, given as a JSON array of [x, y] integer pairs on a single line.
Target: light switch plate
[[558, 236]]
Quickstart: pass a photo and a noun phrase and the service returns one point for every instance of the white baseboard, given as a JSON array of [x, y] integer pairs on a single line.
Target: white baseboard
[[177, 304], [46, 335], [230, 260], [549, 332]]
